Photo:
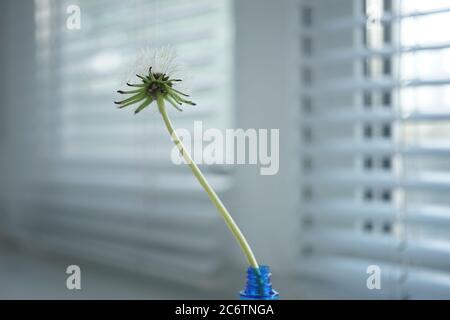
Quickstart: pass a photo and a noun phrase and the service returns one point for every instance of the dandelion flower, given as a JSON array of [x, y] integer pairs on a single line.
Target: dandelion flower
[[156, 82], [154, 72]]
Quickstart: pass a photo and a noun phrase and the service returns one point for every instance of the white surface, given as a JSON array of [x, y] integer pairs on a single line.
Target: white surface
[[28, 275]]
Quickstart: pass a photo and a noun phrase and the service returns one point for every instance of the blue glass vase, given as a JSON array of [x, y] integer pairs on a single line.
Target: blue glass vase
[[258, 285]]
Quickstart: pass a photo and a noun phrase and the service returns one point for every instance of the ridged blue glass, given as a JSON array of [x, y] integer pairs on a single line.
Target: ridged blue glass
[[258, 285]]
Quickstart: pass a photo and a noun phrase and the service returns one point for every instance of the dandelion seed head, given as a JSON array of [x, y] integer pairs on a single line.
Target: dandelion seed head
[[155, 74], [162, 60]]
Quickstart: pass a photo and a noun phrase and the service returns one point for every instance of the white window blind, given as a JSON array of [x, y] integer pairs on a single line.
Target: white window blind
[[105, 187], [375, 101]]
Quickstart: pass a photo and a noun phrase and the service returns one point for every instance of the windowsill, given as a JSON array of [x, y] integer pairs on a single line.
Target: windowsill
[[30, 275]]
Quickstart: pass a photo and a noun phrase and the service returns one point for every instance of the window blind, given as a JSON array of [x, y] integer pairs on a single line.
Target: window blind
[[105, 187], [375, 106]]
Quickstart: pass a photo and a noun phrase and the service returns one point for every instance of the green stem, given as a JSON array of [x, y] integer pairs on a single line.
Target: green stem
[[209, 190]]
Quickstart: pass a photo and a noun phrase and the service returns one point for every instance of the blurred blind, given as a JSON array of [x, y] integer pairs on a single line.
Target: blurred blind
[[375, 147], [104, 185]]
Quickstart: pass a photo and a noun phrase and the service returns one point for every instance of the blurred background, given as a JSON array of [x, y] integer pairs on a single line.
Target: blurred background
[[358, 88]]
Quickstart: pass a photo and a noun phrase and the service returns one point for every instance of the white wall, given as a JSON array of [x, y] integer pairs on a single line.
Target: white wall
[[266, 89]]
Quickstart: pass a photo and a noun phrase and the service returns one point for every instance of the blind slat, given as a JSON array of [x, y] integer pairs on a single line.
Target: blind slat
[[105, 187], [374, 148]]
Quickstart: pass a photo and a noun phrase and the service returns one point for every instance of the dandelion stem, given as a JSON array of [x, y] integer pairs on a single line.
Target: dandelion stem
[[209, 190]]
